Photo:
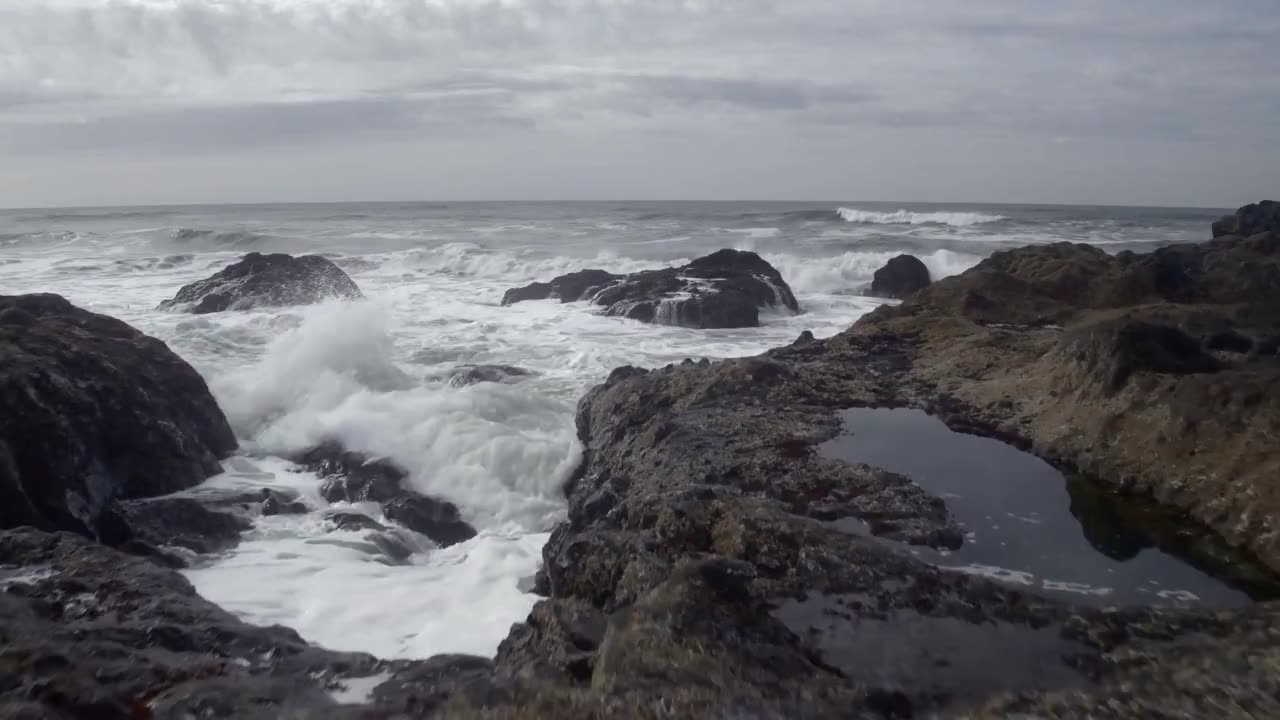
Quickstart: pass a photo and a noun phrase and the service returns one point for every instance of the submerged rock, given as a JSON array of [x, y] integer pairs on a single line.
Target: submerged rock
[[725, 289], [265, 280], [93, 411], [352, 477], [900, 277]]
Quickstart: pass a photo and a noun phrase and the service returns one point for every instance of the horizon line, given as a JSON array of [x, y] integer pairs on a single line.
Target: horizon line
[[607, 202]]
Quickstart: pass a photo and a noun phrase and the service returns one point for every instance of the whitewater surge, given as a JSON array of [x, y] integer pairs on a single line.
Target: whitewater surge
[[906, 217], [373, 374]]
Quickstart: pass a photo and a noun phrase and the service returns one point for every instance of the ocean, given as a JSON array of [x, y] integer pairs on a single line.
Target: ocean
[[373, 373]]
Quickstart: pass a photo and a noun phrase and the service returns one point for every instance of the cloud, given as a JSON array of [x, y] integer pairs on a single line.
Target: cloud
[[173, 77]]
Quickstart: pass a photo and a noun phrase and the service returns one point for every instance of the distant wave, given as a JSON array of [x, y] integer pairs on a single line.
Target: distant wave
[[234, 237], [795, 216], [906, 217]]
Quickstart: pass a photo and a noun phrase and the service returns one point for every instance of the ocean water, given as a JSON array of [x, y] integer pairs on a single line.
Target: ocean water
[[372, 373]]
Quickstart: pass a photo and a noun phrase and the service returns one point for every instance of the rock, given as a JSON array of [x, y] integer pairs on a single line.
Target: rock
[[352, 477], [93, 412], [1251, 220], [472, 374], [89, 632], [265, 280], [573, 287], [900, 277], [725, 289], [354, 521], [278, 503], [183, 522]]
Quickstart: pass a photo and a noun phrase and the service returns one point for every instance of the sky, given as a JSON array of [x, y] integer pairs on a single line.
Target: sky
[[134, 102]]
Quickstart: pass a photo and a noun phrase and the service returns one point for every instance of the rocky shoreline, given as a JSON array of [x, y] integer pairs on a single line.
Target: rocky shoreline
[[705, 569]]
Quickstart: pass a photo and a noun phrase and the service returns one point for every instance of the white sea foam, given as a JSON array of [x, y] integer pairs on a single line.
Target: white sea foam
[[906, 217], [852, 271]]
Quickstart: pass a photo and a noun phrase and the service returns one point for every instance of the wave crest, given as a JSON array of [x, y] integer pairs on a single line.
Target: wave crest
[[906, 217]]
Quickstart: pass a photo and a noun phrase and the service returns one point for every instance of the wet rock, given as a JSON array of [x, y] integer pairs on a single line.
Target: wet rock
[[725, 289], [1250, 220], [900, 277], [352, 477], [183, 522], [86, 631], [353, 521], [265, 280], [278, 503], [95, 411], [472, 374], [573, 287]]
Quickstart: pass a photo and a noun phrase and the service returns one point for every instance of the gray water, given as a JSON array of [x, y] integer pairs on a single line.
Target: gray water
[[1029, 525]]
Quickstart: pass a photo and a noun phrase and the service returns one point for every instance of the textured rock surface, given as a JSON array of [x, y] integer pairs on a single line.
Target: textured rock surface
[[352, 477], [267, 280], [93, 411], [900, 277], [725, 289]]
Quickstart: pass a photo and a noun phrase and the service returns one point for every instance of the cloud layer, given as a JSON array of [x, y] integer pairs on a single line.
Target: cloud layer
[[110, 100]]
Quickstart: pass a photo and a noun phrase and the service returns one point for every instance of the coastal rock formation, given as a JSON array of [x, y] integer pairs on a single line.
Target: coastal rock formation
[[1251, 220], [265, 280], [713, 564], [725, 289], [353, 477], [900, 277], [93, 411]]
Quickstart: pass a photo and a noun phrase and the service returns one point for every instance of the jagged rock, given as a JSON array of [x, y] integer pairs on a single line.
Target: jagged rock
[[92, 411], [725, 289], [1251, 220], [278, 503], [183, 522], [472, 374], [352, 477], [566, 288], [265, 280], [900, 277]]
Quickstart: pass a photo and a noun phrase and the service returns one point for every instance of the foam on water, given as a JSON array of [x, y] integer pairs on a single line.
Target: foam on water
[[906, 217]]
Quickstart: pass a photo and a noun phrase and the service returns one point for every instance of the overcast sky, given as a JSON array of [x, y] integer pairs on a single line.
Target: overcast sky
[[1171, 102]]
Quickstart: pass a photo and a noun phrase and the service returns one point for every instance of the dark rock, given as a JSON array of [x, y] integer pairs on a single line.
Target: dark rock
[[900, 277], [95, 411], [1229, 341], [352, 477], [183, 522], [1114, 350], [265, 280], [725, 289], [1250, 220], [89, 632], [278, 503], [472, 374], [437, 519], [575, 286], [353, 521]]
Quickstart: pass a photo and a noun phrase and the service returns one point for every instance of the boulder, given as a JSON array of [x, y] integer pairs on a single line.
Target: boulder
[[93, 411], [352, 477], [725, 289], [900, 277], [265, 280], [573, 287], [1250, 220], [183, 522], [472, 374]]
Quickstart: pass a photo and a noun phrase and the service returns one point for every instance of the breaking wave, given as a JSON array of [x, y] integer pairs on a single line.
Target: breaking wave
[[906, 217]]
